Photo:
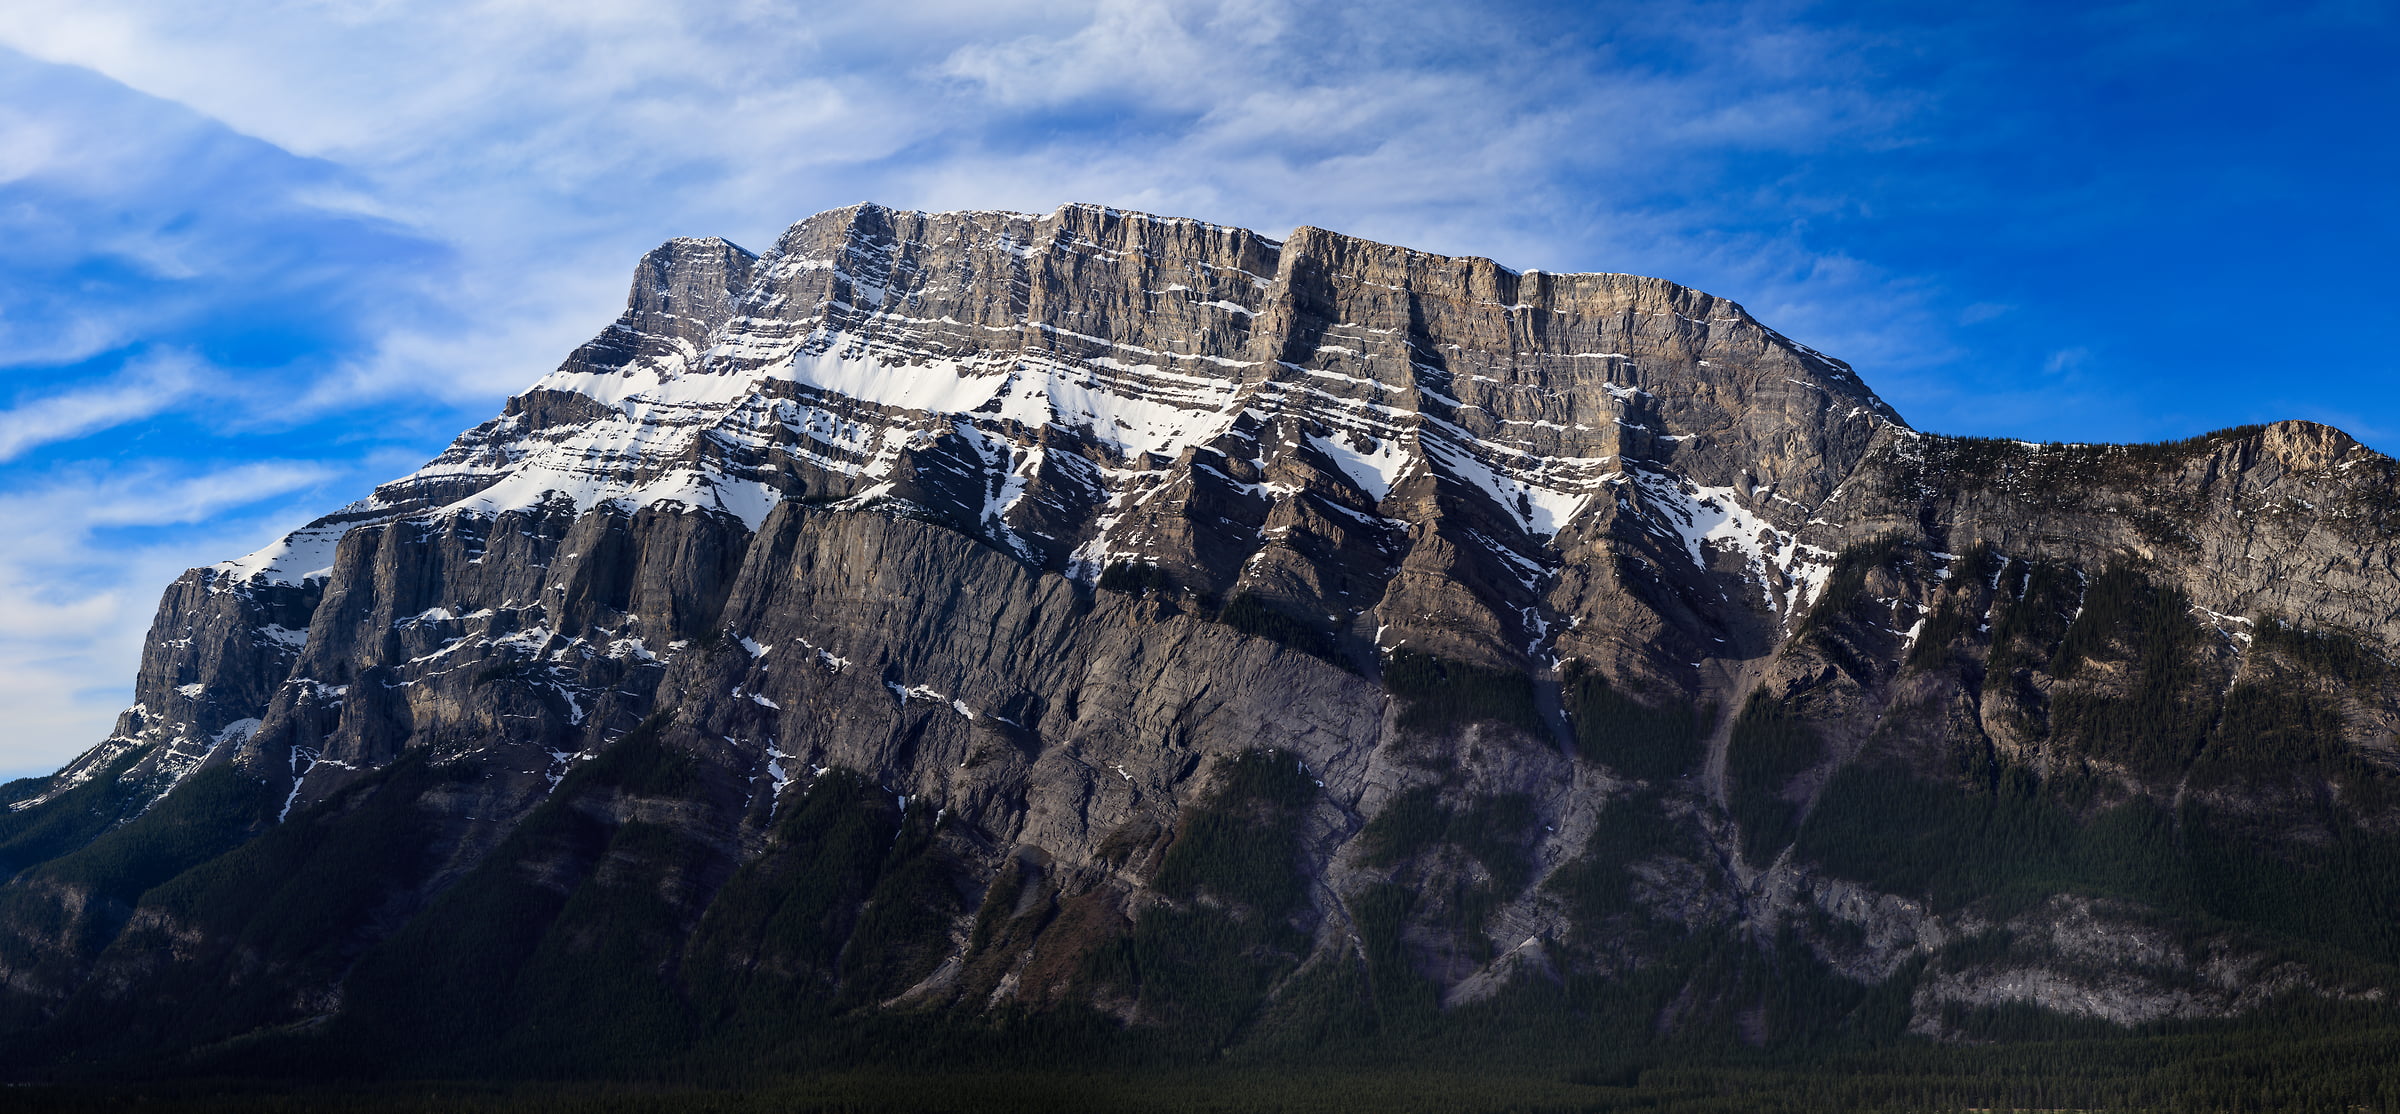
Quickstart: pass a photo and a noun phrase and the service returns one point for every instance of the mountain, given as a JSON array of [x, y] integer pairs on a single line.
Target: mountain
[[948, 635]]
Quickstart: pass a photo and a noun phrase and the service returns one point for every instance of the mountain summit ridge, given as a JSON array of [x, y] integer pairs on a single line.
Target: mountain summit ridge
[[721, 340], [1542, 626]]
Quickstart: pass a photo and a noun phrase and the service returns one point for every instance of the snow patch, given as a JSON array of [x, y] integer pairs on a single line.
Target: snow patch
[[302, 555], [1375, 470], [1714, 517]]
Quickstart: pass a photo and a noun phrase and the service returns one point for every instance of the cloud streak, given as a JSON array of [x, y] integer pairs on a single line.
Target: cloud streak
[[82, 573], [146, 386], [554, 143]]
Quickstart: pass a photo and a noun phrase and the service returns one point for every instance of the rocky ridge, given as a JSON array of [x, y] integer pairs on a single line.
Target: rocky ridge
[[1540, 625]]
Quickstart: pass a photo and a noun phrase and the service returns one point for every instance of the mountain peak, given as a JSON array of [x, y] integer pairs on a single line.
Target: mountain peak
[[1536, 624]]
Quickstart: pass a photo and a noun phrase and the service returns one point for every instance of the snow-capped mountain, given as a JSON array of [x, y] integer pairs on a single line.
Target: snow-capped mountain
[[1046, 538]]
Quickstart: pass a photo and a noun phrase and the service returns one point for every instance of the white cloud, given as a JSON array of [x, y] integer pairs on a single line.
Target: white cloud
[[1179, 56], [145, 387], [31, 337], [2066, 362], [551, 143], [82, 581]]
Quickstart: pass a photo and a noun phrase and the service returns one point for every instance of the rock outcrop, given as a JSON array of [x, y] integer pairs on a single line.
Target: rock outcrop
[[969, 616]]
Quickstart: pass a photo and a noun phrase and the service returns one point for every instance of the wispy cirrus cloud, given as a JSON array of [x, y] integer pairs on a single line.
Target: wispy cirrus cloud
[[81, 569], [144, 387], [551, 143]]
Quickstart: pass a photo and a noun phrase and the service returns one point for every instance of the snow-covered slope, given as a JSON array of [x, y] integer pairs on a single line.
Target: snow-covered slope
[[1054, 382]]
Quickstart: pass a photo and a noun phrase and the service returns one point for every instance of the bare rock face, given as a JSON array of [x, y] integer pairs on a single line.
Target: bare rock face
[[965, 616]]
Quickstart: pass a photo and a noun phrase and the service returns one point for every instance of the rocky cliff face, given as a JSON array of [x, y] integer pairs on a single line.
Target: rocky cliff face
[[975, 616]]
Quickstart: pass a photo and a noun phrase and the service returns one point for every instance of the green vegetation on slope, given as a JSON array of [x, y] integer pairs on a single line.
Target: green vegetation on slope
[[1240, 844], [1132, 577], [1443, 695], [1251, 614], [1202, 967], [1770, 746], [1495, 833], [230, 936], [2161, 716], [61, 913], [1627, 736], [69, 820]]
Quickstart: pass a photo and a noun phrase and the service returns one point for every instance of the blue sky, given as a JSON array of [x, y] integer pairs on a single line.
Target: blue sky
[[255, 257]]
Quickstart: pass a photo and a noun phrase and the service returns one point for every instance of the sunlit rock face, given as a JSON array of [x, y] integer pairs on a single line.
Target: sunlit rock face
[[1585, 611]]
